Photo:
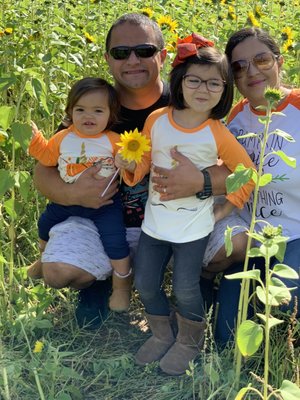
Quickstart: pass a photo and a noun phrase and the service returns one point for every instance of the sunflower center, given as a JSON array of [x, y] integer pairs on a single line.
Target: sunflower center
[[133, 145]]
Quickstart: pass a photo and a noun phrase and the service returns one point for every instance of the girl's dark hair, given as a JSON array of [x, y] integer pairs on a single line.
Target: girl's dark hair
[[205, 56], [245, 33], [87, 85]]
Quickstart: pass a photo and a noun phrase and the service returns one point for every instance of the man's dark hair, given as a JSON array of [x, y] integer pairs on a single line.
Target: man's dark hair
[[138, 20]]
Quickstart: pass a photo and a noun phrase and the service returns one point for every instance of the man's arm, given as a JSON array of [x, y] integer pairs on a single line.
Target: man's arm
[[186, 180], [86, 191]]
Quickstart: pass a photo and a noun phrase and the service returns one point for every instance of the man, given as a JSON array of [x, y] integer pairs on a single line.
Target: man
[[135, 54]]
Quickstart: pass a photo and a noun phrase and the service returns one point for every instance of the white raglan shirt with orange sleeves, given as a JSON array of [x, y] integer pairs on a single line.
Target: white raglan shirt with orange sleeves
[[278, 202], [74, 152], [189, 218]]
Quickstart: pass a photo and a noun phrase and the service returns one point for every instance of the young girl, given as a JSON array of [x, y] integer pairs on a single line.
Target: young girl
[[201, 88], [92, 107]]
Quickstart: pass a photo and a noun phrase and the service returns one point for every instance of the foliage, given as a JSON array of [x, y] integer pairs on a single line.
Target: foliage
[[46, 46]]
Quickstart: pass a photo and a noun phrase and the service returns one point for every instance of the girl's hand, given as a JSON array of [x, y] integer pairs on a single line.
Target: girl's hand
[[34, 129], [121, 163]]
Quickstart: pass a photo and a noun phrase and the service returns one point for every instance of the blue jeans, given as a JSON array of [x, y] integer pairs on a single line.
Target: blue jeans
[[150, 265], [229, 291]]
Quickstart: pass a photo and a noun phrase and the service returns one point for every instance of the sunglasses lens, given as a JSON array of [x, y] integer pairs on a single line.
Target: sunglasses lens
[[142, 51], [239, 67], [145, 51], [264, 61], [120, 53]]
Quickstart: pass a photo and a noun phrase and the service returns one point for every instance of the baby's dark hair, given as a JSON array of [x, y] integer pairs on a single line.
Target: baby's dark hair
[[87, 85], [205, 56]]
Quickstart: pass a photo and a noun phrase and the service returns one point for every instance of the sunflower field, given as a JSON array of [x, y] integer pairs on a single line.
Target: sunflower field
[[44, 47]]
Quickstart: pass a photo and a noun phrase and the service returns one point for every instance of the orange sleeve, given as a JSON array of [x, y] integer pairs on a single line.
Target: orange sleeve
[[46, 151], [114, 138], [233, 153]]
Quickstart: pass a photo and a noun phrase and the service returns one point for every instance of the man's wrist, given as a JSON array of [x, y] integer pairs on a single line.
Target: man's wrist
[[206, 192]]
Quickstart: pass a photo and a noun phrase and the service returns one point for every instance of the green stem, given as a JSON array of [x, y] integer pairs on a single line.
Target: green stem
[[267, 329], [243, 301]]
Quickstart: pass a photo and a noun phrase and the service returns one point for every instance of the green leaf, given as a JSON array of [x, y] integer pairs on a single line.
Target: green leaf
[[284, 271], [37, 89], [6, 82], [255, 252], [249, 337], [265, 179], [6, 181], [289, 390], [241, 394], [284, 135], [272, 320], [247, 135], [228, 241], [281, 250], [9, 207], [278, 293], [290, 161], [240, 177], [252, 274], [269, 251], [25, 184], [7, 114], [22, 134]]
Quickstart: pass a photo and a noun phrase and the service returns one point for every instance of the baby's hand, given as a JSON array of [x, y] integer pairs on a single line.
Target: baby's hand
[[121, 163], [34, 128]]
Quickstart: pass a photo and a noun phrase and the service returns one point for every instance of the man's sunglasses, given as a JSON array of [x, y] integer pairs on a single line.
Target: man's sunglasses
[[141, 51], [262, 62]]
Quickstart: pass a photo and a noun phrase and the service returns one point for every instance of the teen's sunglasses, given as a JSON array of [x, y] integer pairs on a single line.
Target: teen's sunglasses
[[262, 62], [141, 51]]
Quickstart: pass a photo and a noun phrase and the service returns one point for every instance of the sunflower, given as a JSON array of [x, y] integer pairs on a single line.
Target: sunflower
[[38, 347], [147, 11], [89, 38], [252, 19], [287, 33], [167, 22], [231, 13], [133, 145]]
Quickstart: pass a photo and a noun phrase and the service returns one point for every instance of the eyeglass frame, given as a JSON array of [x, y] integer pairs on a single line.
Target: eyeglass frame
[[203, 81], [135, 50], [249, 61]]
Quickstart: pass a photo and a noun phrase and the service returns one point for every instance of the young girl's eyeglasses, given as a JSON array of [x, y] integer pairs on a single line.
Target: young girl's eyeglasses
[[142, 51], [212, 85], [262, 62]]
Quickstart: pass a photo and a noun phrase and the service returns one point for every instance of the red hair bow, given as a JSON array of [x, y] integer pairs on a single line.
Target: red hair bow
[[188, 46]]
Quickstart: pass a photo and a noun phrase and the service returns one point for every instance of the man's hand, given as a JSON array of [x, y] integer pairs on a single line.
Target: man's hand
[[89, 187], [186, 179], [182, 181], [86, 191]]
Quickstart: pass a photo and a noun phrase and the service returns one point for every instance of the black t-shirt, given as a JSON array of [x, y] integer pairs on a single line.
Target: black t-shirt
[[134, 198]]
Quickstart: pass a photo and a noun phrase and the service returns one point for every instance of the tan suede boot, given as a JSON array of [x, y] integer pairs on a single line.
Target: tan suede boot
[[119, 300], [189, 342], [159, 343]]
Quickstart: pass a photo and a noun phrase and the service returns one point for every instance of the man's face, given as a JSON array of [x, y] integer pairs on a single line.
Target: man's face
[[134, 72]]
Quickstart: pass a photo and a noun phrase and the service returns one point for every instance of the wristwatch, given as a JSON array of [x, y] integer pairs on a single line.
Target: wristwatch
[[207, 188]]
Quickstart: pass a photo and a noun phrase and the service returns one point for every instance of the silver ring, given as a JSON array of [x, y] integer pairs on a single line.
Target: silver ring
[[165, 190]]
